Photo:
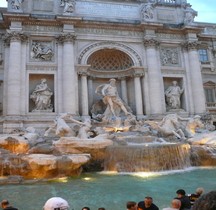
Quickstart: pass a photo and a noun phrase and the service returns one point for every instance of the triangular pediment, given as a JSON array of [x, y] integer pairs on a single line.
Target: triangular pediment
[[209, 84]]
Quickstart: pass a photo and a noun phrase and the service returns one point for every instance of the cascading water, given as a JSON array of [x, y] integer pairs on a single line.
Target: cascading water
[[145, 158]]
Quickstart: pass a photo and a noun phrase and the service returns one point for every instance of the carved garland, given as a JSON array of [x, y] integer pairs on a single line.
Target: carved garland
[[151, 42], [69, 37]]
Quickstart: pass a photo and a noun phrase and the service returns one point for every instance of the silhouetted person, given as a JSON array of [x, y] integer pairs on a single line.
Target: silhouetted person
[[175, 205], [185, 201], [206, 202], [131, 205], [56, 203], [147, 204], [194, 196], [6, 205], [85, 208]]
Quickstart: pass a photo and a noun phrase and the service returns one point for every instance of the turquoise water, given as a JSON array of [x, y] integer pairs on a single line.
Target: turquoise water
[[109, 190]]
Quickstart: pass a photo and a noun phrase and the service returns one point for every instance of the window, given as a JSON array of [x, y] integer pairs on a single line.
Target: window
[[203, 55], [210, 94]]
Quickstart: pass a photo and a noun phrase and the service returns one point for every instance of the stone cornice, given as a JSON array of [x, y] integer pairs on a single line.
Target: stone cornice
[[131, 72], [68, 37], [14, 36], [151, 42], [192, 29], [72, 20]]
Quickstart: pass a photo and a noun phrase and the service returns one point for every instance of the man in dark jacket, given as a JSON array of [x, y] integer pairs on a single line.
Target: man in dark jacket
[[147, 204], [185, 200], [6, 205]]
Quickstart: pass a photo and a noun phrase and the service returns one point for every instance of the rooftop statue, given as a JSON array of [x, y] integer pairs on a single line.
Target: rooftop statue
[[69, 5], [190, 14], [16, 4]]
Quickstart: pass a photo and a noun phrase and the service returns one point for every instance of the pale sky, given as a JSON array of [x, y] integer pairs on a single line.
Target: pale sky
[[206, 9]]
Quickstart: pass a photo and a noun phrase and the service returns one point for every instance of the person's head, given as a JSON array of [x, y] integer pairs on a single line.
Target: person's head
[[112, 81], [43, 80], [56, 203], [174, 83], [176, 203], [199, 190], [206, 202], [4, 203], [148, 201], [101, 208], [131, 205], [180, 193], [85, 208]]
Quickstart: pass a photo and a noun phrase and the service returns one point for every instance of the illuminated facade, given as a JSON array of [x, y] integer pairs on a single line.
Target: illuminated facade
[[68, 48]]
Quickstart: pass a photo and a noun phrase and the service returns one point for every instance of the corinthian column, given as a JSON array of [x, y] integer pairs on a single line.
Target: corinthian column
[[13, 82], [196, 78], [138, 73], [155, 79], [124, 90], [68, 73]]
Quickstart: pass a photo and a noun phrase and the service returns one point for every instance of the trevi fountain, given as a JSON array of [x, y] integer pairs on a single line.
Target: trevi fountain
[[113, 141], [102, 102]]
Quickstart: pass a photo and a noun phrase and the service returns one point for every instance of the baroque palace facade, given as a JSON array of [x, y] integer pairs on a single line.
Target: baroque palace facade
[[64, 49]]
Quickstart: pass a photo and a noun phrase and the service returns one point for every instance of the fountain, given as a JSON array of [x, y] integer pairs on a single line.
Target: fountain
[[113, 140]]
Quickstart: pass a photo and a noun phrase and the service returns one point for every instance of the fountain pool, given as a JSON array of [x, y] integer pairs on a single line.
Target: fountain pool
[[111, 191]]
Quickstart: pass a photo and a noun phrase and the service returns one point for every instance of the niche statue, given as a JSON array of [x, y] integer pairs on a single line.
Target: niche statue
[[173, 94], [41, 96]]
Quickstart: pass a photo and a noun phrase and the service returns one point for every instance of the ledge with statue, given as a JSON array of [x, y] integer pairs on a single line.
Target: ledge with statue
[[112, 140]]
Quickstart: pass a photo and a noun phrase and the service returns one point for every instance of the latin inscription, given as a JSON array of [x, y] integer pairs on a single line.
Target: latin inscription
[[95, 9], [109, 32]]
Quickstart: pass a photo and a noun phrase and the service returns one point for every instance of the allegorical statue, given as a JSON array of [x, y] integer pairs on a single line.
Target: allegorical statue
[[41, 52], [173, 94], [42, 96], [69, 5], [111, 98], [16, 4]]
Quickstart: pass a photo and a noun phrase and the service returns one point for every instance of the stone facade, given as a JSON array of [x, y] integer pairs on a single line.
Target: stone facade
[[75, 46]]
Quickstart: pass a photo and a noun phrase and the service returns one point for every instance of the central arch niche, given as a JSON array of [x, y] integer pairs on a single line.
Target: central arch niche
[[109, 59], [102, 61]]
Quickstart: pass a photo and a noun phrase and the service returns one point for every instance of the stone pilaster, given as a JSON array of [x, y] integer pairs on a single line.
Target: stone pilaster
[[154, 75], [14, 75], [68, 73], [196, 77]]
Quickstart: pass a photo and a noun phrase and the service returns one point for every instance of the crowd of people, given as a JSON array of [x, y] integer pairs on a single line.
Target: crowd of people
[[183, 201]]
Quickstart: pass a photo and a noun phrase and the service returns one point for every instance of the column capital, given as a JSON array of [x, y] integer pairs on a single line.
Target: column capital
[[83, 70], [69, 37], [191, 45], [151, 42], [138, 71], [122, 78], [14, 36]]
